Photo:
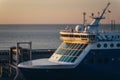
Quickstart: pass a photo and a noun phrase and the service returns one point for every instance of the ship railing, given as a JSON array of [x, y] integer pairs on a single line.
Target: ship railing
[[113, 28], [14, 47], [71, 31], [105, 31], [14, 58], [93, 32]]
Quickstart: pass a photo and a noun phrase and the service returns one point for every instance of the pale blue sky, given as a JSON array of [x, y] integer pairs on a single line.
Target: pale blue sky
[[53, 11]]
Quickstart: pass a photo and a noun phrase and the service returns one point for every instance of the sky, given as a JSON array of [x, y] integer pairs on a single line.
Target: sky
[[54, 11]]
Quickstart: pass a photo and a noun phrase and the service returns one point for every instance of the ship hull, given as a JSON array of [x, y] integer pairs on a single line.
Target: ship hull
[[97, 65], [79, 73]]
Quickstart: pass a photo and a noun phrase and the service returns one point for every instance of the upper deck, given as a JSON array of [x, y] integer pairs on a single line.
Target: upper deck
[[77, 37], [104, 32]]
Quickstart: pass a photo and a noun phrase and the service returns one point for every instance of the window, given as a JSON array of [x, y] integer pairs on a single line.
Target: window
[[112, 37], [98, 45], [111, 45], [105, 45], [77, 36], [118, 45], [118, 36], [70, 51]]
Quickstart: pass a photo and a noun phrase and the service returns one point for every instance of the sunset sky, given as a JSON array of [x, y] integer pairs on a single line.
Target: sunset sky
[[53, 11]]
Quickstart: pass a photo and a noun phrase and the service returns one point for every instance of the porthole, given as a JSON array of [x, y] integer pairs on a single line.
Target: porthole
[[105, 45], [118, 45], [98, 45], [111, 45]]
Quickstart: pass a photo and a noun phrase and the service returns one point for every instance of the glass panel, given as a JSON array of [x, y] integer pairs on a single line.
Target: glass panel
[[73, 51], [61, 58], [62, 45], [76, 54], [73, 59], [70, 51]]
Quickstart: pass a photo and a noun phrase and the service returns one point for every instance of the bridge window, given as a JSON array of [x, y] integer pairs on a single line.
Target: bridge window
[[70, 51], [76, 36]]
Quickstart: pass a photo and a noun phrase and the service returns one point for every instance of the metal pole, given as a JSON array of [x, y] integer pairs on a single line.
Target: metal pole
[[17, 53], [84, 18], [30, 47]]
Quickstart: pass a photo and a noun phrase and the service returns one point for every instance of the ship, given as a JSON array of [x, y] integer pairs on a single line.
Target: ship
[[84, 54]]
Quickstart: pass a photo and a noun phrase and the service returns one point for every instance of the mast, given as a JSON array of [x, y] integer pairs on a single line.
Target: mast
[[97, 19], [104, 10]]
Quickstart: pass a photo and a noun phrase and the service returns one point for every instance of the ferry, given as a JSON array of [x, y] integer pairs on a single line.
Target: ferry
[[85, 54]]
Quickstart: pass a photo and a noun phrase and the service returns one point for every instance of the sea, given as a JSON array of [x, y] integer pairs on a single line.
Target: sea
[[42, 36]]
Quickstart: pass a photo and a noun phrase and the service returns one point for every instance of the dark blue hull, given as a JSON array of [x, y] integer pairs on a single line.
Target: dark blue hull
[[81, 73], [97, 65]]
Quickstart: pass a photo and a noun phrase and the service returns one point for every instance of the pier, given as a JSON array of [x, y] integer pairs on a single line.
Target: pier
[[10, 58]]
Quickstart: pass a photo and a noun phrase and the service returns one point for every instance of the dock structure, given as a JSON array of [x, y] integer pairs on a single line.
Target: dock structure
[[19, 54], [11, 57]]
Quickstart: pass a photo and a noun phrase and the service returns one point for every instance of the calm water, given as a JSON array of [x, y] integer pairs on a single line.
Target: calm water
[[42, 36]]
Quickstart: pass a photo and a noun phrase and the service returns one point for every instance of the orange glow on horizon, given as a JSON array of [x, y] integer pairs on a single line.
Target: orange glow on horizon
[[52, 11]]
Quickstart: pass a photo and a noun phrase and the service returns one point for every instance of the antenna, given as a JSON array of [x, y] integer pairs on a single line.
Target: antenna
[[105, 10], [100, 16], [84, 18]]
